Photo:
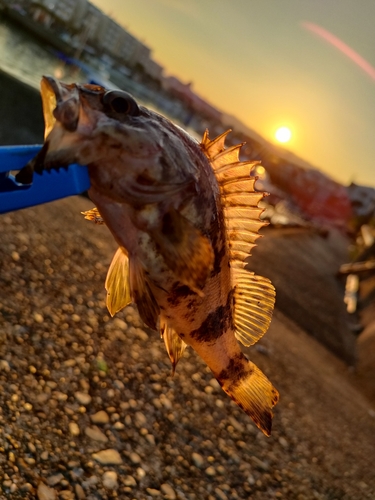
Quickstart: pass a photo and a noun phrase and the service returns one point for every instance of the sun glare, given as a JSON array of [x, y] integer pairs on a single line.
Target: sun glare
[[283, 134]]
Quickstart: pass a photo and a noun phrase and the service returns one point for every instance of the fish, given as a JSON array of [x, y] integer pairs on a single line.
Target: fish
[[185, 216]]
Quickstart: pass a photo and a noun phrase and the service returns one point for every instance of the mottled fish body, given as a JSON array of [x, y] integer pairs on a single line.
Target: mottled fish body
[[185, 216]]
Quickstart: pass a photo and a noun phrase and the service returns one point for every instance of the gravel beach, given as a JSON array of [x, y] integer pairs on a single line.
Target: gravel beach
[[89, 409]]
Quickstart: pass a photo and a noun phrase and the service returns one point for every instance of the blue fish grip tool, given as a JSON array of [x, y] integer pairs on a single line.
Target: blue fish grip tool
[[48, 186]]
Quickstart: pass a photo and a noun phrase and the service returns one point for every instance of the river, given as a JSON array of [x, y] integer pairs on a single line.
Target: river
[[26, 59]]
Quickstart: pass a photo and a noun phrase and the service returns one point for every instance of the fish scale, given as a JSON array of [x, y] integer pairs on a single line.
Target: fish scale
[[185, 216]]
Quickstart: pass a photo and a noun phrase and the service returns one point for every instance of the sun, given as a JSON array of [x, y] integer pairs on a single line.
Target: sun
[[283, 134]]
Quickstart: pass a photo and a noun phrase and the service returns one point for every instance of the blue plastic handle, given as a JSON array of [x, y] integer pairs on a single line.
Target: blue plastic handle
[[45, 187]]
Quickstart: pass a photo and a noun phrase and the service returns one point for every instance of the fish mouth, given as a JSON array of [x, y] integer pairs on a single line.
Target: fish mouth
[[60, 103]]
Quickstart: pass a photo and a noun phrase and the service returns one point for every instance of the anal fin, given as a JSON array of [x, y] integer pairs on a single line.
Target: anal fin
[[174, 345]]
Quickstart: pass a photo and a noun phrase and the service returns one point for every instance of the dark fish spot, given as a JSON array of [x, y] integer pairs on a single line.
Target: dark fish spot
[[144, 180], [178, 293], [216, 323], [235, 371], [191, 304], [170, 229], [218, 243]]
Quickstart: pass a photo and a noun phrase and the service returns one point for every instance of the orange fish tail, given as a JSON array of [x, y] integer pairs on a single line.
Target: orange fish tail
[[251, 390]]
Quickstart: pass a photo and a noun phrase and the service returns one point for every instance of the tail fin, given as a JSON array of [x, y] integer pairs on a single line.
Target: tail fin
[[251, 390]]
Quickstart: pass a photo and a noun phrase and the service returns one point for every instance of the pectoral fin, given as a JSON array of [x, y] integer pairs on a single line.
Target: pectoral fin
[[186, 251], [93, 215], [117, 282]]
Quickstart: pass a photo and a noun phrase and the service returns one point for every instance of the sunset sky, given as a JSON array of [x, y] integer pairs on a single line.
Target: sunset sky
[[305, 64]]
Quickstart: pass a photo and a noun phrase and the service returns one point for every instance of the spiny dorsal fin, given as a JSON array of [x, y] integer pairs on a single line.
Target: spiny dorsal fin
[[254, 296], [239, 199], [212, 148], [174, 345], [117, 282]]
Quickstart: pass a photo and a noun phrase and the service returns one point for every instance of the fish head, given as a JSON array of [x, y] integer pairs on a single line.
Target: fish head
[[78, 118], [122, 142]]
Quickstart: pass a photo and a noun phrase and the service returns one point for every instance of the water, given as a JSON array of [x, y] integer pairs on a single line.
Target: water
[[26, 59]]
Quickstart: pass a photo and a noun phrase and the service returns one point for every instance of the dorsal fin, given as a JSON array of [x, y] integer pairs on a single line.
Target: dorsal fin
[[254, 296]]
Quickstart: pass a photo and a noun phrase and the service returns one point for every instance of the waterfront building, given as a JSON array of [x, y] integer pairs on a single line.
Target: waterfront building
[[68, 13]]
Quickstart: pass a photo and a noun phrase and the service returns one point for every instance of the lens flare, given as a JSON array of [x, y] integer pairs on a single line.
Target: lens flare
[[283, 134], [343, 47]]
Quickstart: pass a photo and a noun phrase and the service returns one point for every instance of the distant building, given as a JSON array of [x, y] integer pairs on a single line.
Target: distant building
[[69, 13]]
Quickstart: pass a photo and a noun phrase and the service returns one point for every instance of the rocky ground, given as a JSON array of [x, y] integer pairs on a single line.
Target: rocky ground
[[89, 410]]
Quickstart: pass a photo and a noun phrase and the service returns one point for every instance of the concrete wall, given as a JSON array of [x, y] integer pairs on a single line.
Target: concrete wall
[[21, 117]]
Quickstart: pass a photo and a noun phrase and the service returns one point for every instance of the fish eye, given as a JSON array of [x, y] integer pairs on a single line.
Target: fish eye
[[120, 102]]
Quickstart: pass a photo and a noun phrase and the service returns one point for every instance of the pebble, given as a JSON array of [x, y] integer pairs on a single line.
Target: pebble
[[259, 463], [119, 385], [79, 491], [283, 442], [45, 493], [120, 323], [141, 473], [210, 471], [220, 494], [198, 460], [140, 419], [96, 434], [108, 457], [31, 447], [38, 318], [4, 365], [153, 492], [110, 480], [150, 439], [83, 398], [168, 491], [66, 495], [100, 418], [55, 479], [135, 458], [129, 481], [26, 487], [74, 429]]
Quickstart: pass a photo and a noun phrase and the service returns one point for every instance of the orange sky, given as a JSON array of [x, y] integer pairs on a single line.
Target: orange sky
[[257, 60]]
